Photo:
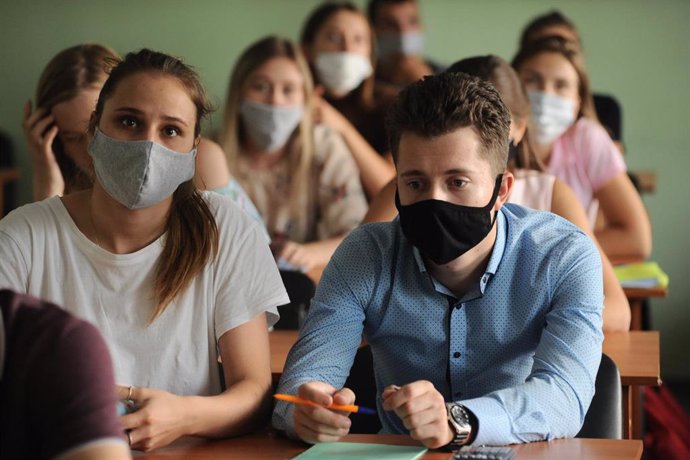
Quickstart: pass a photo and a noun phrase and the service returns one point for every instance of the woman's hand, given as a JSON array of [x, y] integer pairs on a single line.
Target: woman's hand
[[308, 256], [160, 418], [40, 131], [327, 114]]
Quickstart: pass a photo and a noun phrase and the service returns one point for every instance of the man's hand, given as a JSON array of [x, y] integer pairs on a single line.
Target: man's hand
[[318, 424], [422, 410]]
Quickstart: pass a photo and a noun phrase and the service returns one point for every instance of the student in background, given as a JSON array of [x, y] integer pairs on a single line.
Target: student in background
[[338, 43], [556, 24], [575, 148], [174, 278], [300, 174], [57, 389], [483, 318], [400, 44], [56, 131]]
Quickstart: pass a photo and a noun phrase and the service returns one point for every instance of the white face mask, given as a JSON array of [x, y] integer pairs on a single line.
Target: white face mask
[[409, 44], [551, 116], [342, 72], [270, 126], [139, 174]]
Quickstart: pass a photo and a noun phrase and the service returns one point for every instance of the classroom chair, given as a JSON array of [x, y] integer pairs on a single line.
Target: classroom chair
[[604, 419], [300, 288]]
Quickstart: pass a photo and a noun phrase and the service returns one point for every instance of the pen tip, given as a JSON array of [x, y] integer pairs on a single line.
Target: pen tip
[[367, 411]]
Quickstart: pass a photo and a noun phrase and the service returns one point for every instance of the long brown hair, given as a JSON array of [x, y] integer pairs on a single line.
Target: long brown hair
[[499, 73], [364, 94], [300, 146], [68, 73], [192, 233], [571, 52]]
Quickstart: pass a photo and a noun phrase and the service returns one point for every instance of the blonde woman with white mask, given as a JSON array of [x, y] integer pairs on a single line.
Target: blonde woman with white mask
[[301, 175], [575, 148], [338, 43]]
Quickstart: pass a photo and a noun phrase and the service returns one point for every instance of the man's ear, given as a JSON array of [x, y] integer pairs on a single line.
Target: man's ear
[[504, 191], [197, 141]]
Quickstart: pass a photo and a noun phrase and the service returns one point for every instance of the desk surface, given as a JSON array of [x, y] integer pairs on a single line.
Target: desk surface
[[274, 446], [636, 353]]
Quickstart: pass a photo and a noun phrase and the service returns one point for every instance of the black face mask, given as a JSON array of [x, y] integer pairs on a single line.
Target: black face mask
[[512, 151], [444, 231]]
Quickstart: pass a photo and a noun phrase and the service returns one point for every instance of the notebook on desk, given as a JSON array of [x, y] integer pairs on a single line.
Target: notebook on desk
[[361, 451], [641, 275]]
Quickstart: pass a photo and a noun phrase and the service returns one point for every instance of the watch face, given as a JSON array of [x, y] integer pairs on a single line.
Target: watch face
[[459, 415]]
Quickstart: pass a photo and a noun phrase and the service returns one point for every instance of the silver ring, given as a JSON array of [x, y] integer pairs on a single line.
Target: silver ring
[[129, 393], [129, 438]]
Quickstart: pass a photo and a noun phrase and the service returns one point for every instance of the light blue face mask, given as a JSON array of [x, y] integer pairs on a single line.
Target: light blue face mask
[[270, 126], [551, 116], [139, 174], [408, 44]]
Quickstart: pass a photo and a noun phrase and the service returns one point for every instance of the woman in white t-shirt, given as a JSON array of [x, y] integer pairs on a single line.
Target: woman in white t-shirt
[[574, 147], [172, 277]]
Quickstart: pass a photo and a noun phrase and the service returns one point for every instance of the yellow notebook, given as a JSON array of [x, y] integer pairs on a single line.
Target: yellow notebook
[[361, 451], [641, 275]]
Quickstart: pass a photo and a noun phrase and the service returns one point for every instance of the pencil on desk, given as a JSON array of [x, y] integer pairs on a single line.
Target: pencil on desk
[[342, 407]]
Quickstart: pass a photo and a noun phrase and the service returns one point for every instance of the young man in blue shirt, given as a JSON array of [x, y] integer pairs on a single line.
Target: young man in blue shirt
[[484, 318]]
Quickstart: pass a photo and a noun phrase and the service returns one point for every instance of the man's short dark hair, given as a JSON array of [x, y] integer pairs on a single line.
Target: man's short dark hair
[[441, 104], [374, 5]]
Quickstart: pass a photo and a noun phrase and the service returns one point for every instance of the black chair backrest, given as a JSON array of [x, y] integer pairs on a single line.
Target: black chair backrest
[[300, 288], [604, 419]]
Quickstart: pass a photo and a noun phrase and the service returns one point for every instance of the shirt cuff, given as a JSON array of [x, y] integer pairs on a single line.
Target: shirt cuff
[[494, 423]]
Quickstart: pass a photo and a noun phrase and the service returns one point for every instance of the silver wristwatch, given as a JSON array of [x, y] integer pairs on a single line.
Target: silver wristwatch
[[459, 421]]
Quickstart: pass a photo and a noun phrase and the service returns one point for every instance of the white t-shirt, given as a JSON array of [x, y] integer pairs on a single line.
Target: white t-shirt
[[43, 253]]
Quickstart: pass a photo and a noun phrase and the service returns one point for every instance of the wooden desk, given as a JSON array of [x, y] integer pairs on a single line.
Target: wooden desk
[[635, 297], [271, 445], [6, 175], [637, 355]]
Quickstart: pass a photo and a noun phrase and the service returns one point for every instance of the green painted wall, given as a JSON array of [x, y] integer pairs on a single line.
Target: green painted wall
[[636, 49]]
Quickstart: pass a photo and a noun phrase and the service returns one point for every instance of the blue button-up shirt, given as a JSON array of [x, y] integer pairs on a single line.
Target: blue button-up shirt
[[520, 349]]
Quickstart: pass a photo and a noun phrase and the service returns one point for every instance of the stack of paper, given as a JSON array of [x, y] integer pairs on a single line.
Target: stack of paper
[[641, 275]]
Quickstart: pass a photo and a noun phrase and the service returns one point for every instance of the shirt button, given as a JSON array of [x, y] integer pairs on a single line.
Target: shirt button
[[456, 354], [485, 278]]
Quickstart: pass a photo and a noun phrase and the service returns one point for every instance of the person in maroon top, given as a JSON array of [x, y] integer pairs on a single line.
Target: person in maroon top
[[57, 389]]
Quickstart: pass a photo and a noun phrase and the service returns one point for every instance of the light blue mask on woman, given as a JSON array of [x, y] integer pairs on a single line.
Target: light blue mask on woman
[[270, 126], [551, 116], [139, 174]]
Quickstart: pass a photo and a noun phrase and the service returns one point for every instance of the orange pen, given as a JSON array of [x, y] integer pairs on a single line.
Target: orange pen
[[342, 407]]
